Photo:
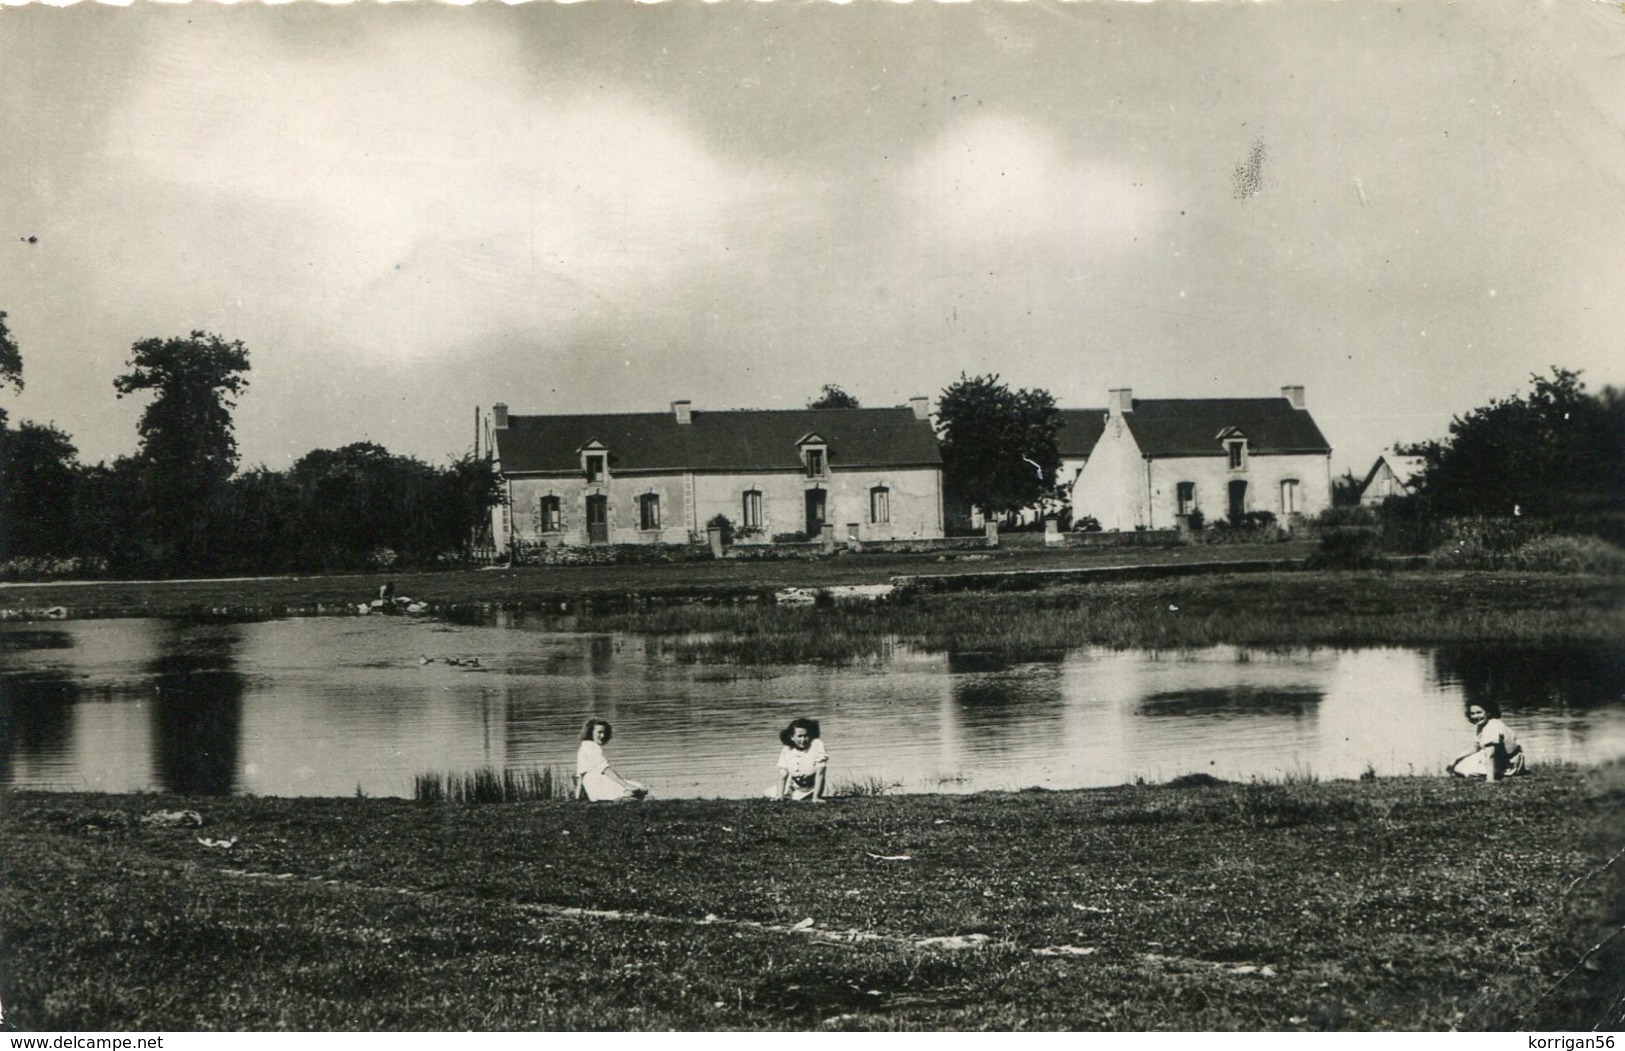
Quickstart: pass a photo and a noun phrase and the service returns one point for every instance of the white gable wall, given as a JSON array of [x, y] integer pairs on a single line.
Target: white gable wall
[[1112, 485]]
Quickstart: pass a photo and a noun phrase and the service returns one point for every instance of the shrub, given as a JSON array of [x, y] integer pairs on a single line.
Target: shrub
[[1086, 524], [723, 523], [797, 537], [1346, 547], [1541, 554]]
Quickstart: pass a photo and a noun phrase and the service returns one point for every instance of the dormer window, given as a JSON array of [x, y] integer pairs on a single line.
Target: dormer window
[[595, 463], [1235, 448], [814, 455]]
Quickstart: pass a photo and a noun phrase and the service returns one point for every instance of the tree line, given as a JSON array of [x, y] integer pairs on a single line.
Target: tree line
[[180, 504]]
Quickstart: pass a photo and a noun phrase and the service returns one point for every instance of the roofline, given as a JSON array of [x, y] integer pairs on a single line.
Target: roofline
[[746, 469]]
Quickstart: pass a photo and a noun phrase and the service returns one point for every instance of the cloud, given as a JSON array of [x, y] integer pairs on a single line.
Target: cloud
[[1001, 179], [405, 214]]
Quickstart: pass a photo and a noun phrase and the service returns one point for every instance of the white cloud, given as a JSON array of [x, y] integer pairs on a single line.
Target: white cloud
[[1000, 179], [407, 214]]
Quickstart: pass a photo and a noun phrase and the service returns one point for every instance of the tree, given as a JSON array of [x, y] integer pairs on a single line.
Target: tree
[[1555, 450], [833, 397], [37, 478], [188, 450], [999, 450], [11, 362]]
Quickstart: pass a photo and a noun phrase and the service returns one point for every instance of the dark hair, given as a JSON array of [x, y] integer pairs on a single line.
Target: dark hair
[[1491, 709], [586, 731], [810, 725]]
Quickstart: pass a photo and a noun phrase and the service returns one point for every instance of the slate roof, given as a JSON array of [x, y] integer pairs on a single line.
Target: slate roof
[[1191, 426], [739, 440], [1080, 430]]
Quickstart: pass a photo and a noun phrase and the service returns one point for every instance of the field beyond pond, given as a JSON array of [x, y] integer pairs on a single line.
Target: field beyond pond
[[1412, 903]]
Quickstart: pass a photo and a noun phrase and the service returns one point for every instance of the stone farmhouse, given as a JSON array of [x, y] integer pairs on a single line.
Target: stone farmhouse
[[660, 478], [1391, 475], [1153, 462]]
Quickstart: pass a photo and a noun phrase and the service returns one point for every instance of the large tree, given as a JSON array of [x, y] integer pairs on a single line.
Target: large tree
[[11, 362], [188, 449], [999, 450], [833, 397], [1554, 450], [37, 478]]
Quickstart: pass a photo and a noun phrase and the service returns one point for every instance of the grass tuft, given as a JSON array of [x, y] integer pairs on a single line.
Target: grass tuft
[[489, 785]]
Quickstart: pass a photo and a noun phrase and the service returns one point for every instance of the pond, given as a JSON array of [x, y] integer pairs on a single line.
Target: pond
[[336, 706]]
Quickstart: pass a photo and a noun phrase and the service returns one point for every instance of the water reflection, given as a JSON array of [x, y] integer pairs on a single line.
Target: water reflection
[[1517, 677], [326, 707], [1233, 701], [197, 708]]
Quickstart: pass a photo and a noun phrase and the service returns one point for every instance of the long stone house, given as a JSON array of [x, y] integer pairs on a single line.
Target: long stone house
[[660, 478], [1153, 462]]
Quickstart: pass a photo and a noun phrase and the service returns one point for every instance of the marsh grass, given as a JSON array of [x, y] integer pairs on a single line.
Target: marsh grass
[[1268, 610], [490, 785], [869, 785]]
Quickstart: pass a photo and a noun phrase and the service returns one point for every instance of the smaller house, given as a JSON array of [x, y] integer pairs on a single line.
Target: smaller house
[[1391, 475], [1155, 463]]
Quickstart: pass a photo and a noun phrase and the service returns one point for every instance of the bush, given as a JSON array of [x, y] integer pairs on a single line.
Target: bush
[[723, 523], [1346, 547], [797, 537], [1086, 524], [1542, 554]]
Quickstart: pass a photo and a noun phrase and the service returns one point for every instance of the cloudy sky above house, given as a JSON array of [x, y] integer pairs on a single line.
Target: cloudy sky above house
[[411, 210]]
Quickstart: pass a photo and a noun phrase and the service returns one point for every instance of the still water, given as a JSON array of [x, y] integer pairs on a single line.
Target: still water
[[330, 706]]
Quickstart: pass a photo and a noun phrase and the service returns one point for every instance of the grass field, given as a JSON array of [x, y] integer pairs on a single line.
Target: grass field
[[1395, 904], [545, 586]]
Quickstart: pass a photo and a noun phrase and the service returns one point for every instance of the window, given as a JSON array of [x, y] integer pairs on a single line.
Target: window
[[550, 517], [649, 511], [1237, 450], [750, 515], [595, 466], [1187, 497], [1289, 496], [815, 463], [880, 504]]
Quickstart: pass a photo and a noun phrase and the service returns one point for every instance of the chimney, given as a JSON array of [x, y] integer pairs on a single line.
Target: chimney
[[921, 406], [684, 411], [1294, 395], [499, 416], [1119, 401]]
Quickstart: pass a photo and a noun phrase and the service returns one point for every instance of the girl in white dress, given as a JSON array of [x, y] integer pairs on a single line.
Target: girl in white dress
[[1496, 752], [803, 763], [595, 778]]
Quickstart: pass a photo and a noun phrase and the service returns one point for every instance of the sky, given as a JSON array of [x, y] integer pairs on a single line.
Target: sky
[[409, 212]]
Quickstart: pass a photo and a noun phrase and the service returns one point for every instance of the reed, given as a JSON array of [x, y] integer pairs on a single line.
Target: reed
[[490, 785], [1268, 610]]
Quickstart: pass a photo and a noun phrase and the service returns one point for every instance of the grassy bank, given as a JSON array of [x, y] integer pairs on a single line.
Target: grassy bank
[[540, 587], [1404, 904], [1272, 609]]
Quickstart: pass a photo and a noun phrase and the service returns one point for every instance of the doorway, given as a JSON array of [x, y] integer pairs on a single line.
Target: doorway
[[597, 519]]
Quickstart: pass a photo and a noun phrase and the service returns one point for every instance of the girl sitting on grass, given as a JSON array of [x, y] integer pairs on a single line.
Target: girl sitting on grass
[[803, 763], [1496, 753], [595, 778]]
